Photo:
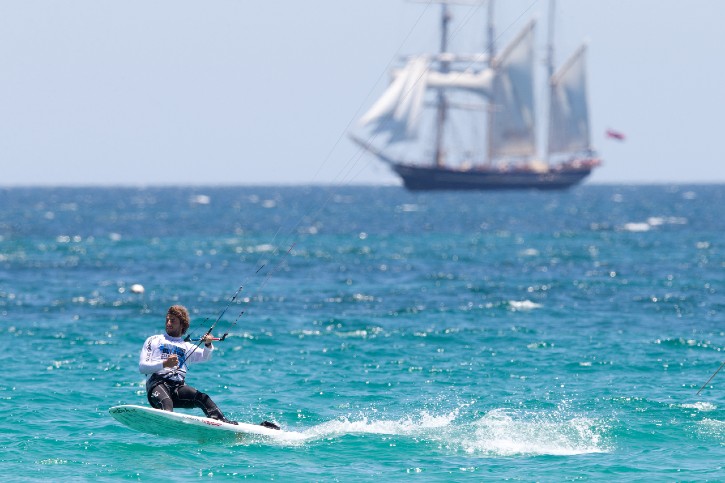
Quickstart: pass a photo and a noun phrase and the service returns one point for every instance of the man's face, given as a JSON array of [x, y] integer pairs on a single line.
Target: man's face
[[173, 326]]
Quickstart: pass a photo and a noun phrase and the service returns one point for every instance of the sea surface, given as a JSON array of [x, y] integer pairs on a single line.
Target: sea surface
[[512, 336]]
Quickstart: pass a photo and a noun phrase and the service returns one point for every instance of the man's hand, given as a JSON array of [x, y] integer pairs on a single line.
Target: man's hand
[[208, 338], [172, 361]]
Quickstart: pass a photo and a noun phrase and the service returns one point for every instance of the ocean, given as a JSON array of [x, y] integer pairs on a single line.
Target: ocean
[[508, 336]]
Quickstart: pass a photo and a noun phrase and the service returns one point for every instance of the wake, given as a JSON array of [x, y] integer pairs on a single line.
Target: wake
[[500, 432]]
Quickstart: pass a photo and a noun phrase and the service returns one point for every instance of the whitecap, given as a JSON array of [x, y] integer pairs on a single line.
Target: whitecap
[[200, 200], [700, 406], [361, 334], [636, 227], [306, 333], [523, 305], [408, 208]]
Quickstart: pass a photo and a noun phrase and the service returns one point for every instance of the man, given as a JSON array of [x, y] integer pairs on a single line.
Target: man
[[165, 359]]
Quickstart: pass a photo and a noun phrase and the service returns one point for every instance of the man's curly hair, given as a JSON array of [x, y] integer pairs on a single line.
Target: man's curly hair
[[182, 314]]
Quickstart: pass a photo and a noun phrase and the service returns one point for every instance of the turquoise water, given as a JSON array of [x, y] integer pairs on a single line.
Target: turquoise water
[[436, 337]]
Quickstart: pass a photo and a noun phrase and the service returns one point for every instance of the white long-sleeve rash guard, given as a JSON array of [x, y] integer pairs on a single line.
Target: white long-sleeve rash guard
[[158, 348]]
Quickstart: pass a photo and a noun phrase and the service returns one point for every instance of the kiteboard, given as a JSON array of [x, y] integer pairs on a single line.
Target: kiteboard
[[187, 426]]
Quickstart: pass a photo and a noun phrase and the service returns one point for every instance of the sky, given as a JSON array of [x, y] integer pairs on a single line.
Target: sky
[[240, 92]]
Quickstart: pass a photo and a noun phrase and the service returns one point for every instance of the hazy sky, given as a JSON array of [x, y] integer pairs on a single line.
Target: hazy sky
[[263, 92]]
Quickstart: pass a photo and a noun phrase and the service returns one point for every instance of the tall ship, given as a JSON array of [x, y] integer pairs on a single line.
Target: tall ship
[[467, 121]]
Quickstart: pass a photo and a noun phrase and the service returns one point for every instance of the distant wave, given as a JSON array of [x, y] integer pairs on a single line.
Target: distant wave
[[523, 305], [652, 222]]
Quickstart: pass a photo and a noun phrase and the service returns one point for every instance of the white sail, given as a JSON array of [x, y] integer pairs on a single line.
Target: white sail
[[477, 82], [568, 110], [513, 128], [398, 110]]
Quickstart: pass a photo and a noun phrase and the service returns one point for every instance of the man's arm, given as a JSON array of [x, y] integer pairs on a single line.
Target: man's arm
[[147, 363]]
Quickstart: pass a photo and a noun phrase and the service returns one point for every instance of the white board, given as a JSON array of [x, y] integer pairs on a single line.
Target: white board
[[187, 426]]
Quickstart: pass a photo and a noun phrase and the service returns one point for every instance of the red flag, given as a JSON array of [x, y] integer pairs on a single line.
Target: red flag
[[612, 134]]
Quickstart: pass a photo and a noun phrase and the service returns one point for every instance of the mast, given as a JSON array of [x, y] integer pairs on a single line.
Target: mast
[[491, 34], [550, 73], [442, 106]]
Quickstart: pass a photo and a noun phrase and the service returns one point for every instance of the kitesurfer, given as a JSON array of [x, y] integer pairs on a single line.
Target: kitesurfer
[[165, 359]]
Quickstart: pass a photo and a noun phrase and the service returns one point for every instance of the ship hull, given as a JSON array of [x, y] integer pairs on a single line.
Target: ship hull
[[431, 178]]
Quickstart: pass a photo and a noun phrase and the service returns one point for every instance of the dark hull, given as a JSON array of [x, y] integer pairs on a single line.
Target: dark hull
[[427, 178]]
